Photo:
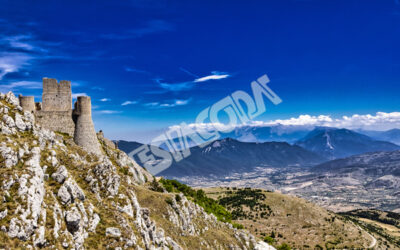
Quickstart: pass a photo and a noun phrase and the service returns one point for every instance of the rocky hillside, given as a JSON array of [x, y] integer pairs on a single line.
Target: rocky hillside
[[56, 195]]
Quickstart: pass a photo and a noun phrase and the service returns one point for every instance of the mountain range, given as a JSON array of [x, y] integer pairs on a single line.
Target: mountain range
[[392, 135], [335, 143], [227, 156], [293, 133]]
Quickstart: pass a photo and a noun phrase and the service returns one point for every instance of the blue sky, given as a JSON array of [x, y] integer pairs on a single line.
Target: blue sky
[[151, 64]]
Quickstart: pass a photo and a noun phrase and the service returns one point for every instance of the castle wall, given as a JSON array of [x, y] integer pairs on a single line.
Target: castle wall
[[55, 113], [85, 134], [56, 121], [56, 96], [27, 103]]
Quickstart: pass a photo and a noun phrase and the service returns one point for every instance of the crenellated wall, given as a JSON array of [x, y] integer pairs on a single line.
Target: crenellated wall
[[56, 96], [55, 113]]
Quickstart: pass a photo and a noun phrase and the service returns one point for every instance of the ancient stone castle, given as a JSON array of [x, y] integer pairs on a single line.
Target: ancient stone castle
[[55, 113]]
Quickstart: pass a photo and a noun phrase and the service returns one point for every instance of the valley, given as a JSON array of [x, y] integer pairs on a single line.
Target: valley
[[284, 219], [334, 192]]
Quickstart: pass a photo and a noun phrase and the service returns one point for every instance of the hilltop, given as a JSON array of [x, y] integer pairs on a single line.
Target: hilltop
[[55, 194]]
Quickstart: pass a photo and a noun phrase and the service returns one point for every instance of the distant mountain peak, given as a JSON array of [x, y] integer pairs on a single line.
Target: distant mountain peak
[[337, 143]]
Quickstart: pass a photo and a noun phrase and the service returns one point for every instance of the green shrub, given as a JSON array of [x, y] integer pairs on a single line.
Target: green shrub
[[169, 201], [155, 186], [283, 246], [237, 226], [269, 240], [199, 197]]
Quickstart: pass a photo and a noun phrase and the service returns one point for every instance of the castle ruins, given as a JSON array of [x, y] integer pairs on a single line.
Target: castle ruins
[[55, 113]]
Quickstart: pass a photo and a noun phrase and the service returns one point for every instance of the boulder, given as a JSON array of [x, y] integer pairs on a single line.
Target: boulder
[[72, 219], [113, 232]]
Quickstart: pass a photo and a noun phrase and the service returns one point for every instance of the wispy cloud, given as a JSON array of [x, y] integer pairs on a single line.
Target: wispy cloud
[[109, 112], [134, 70], [181, 86], [214, 76], [128, 103], [105, 100], [19, 51], [151, 104], [97, 88], [21, 85], [188, 72], [11, 62], [25, 42], [173, 103], [151, 27]]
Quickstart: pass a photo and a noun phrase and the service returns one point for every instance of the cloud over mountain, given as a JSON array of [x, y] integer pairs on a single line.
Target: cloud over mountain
[[379, 121]]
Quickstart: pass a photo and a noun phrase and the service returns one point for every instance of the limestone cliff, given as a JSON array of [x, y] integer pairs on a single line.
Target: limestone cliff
[[54, 194]]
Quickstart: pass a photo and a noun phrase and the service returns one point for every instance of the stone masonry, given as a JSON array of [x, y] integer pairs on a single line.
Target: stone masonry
[[55, 113]]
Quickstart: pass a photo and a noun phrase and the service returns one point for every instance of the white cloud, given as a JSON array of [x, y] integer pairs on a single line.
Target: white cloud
[[215, 76], [379, 121], [12, 62], [176, 103], [21, 85], [170, 104], [176, 86], [105, 100], [109, 112], [20, 42], [151, 104], [25, 42], [128, 103]]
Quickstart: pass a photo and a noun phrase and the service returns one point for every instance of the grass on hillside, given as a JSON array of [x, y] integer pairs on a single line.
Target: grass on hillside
[[199, 197]]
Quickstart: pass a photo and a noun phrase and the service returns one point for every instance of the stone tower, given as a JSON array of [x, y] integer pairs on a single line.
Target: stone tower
[[27, 103], [56, 96], [55, 113], [85, 134]]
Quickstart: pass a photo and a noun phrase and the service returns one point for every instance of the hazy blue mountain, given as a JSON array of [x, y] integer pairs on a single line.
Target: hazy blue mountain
[[278, 133], [377, 170], [128, 146], [377, 163], [392, 135], [335, 143], [227, 156]]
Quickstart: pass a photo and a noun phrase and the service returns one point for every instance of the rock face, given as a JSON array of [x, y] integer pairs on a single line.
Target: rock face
[[56, 195]]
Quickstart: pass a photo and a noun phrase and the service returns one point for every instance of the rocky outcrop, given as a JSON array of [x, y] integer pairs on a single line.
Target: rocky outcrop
[[56, 195]]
